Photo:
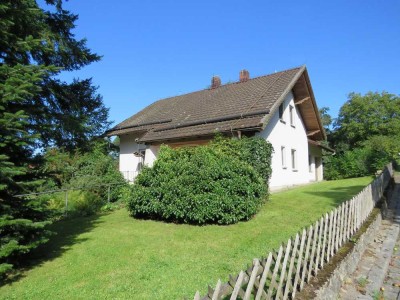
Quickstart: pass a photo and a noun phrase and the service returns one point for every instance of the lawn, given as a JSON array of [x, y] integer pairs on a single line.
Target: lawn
[[114, 256]]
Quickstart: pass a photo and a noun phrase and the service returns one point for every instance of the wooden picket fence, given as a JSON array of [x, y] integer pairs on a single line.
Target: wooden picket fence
[[284, 272]]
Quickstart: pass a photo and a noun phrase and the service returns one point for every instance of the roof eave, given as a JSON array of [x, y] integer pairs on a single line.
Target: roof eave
[[311, 92]]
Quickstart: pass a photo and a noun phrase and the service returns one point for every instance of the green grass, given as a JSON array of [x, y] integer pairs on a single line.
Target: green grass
[[114, 256]]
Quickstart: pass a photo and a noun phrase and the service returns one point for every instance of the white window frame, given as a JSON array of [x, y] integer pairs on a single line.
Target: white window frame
[[292, 115], [293, 157], [142, 157], [283, 157]]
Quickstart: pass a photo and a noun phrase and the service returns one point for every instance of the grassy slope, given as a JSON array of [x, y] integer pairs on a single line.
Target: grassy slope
[[117, 257]]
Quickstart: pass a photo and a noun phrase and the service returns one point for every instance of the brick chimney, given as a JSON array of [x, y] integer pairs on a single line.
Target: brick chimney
[[244, 76], [215, 82]]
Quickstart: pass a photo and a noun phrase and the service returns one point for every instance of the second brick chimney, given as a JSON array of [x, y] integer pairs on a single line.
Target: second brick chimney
[[244, 76], [215, 82]]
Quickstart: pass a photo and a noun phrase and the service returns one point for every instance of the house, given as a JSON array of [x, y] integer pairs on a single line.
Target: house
[[279, 107]]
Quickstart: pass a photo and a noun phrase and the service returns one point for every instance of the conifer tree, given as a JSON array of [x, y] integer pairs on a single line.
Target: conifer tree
[[38, 110]]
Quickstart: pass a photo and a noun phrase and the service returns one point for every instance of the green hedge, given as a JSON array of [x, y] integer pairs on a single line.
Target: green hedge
[[356, 163], [204, 184]]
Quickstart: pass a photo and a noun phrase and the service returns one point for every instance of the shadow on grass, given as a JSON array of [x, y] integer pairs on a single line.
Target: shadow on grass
[[66, 234], [338, 195]]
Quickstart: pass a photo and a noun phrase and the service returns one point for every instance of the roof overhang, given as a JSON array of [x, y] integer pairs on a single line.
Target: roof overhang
[[321, 145]]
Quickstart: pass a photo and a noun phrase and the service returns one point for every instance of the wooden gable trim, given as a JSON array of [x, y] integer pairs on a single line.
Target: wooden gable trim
[[311, 133], [302, 101]]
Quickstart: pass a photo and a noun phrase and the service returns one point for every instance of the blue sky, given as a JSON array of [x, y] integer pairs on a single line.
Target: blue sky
[[156, 49]]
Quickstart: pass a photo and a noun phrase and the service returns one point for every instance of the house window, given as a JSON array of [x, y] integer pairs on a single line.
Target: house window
[[281, 113], [283, 155], [291, 113], [310, 163], [294, 160]]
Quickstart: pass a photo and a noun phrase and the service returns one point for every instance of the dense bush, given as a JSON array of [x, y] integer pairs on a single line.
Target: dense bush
[[365, 160], [255, 151], [346, 165], [204, 184]]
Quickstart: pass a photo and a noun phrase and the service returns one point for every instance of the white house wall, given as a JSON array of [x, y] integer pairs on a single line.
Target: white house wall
[[151, 155], [129, 163], [280, 133]]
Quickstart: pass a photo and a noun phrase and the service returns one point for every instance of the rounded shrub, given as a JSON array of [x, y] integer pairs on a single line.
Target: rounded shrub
[[198, 185]]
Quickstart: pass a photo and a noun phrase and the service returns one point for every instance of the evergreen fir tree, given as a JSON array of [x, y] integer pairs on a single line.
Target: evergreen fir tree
[[38, 110]]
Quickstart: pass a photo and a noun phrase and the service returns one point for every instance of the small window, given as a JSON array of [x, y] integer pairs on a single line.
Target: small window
[[281, 113], [291, 113], [310, 163], [294, 160], [142, 154], [283, 155]]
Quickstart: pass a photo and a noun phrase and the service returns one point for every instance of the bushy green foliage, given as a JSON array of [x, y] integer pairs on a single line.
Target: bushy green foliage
[[255, 151], [349, 164], [374, 154], [80, 202], [92, 171], [204, 184]]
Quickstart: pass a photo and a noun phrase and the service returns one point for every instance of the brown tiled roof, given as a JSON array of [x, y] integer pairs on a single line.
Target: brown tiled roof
[[240, 106]]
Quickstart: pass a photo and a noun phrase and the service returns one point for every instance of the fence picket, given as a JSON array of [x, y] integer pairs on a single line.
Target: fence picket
[[291, 265], [250, 285], [306, 265], [238, 286], [330, 241], [350, 227], [349, 222], [346, 219], [299, 262], [283, 269], [197, 296], [264, 276], [276, 269], [334, 244], [338, 224], [319, 243], [342, 231], [341, 222], [216, 291], [314, 246], [324, 240]]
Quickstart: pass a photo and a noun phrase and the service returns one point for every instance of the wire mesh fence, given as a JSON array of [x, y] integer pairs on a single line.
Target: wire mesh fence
[[66, 192]]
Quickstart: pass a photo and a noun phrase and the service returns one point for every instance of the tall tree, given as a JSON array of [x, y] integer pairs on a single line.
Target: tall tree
[[365, 116], [62, 114], [38, 110]]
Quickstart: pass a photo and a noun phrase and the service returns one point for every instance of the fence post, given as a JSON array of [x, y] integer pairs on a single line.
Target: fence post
[[108, 197], [66, 203]]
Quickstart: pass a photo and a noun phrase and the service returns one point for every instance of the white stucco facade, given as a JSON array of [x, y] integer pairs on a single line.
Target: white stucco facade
[[133, 156], [294, 160]]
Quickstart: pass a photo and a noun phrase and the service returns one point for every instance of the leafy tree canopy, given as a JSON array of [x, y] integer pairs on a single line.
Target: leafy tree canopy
[[365, 116]]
